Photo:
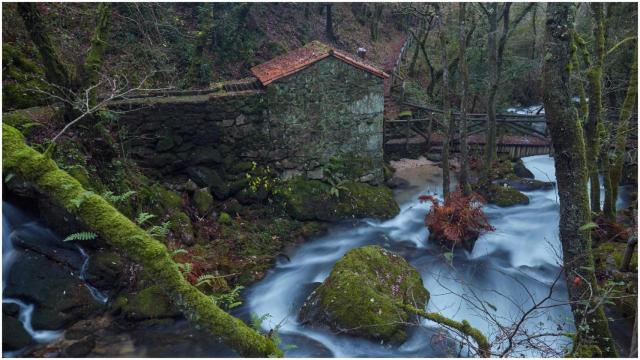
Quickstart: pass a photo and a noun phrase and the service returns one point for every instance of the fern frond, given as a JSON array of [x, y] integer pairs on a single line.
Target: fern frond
[[85, 235], [160, 231], [144, 217]]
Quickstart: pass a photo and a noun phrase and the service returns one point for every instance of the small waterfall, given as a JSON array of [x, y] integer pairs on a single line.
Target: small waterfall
[[97, 294]]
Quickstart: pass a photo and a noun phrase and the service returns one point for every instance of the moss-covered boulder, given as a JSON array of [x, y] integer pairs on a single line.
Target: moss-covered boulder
[[149, 303], [364, 294], [522, 184], [307, 199], [504, 196], [203, 200], [181, 227]]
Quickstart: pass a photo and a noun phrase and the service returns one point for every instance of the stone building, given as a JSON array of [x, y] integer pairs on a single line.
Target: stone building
[[307, 111]]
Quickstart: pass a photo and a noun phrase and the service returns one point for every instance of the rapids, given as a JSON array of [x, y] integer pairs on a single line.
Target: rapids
[[509, 269]]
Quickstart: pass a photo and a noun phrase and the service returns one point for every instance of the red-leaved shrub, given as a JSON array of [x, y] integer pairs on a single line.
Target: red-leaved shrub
[[459, 220]]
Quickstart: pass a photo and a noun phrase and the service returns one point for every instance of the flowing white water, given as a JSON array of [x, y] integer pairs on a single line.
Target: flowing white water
[[98, 295], [507, 272], [13, 219]]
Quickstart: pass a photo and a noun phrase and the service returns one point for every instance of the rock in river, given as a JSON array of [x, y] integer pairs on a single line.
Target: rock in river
[[363, 295]]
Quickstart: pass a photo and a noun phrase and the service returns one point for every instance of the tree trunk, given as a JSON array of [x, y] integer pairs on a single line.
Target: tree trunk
[[329, 23], [492, 51], [55, 70], [628, 254], [446, 106], [125, 236], [464, 79], [594, 75], [623, 127], [571, 176], [93, 61]]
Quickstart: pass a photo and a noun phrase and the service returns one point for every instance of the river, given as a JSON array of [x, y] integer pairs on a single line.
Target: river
[[507, 271]]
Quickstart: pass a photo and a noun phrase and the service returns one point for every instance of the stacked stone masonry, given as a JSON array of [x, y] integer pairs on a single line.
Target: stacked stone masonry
[[328, 112]]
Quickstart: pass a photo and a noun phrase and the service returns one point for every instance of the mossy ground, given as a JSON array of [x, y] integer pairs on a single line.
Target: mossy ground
[[608, 259], [313, 200]]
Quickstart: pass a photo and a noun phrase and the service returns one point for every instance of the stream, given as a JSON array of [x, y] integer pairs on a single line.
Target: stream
[[506, 272]]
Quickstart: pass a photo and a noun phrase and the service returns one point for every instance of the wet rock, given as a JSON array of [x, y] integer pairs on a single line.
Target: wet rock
[[60, 298], [10, 309], [521, 171], [437, 157], [105, 269], [14, 336], [504, 196], [363, 295], [44, 242], [206, 177], [397, 182], [80, 348], [521, 184]]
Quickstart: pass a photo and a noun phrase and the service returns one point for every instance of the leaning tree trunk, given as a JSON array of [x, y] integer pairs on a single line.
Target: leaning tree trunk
[[94, 59], [571, 176], [591, 129], [125, 236], [446, 106], [464, 80]]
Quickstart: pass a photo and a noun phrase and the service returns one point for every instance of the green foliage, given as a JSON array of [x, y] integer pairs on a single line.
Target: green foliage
[[230, 299], [114, 199], [160, 231], [82, 236], [144, 217]]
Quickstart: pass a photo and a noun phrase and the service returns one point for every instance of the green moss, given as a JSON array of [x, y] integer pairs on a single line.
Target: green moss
[[88, 182], [203, 199], [224, 218], [364, 293], [148, 303], [405, 114], [181, 226], [20, 77], [307, 199], [505, 196], [587, 351], [122, 234]]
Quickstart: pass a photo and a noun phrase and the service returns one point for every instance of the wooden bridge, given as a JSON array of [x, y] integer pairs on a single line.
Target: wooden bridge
[[411, 127]]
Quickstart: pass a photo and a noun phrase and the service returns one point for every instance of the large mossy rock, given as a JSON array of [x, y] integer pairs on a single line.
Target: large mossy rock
[[363, 296], [307, 199]]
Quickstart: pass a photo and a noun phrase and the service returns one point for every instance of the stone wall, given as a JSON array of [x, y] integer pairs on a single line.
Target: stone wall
[[330, 109], [330, 112]]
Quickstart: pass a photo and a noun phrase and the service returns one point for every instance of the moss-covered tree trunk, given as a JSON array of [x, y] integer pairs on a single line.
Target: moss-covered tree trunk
[[571, 176], [125, 236], [464, 83], [626, 114], [55, 70], [591, 129], [446, 106], [95, 56]]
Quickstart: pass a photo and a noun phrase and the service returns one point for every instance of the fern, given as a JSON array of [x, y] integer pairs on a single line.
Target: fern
[[176, 252], [144, 217], [160, 231], [85, 235], [184, 268], [230, 299], [112, 198], [257, 321]]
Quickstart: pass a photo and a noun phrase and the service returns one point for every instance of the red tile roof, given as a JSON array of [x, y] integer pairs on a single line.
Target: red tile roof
[[303, 57]]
